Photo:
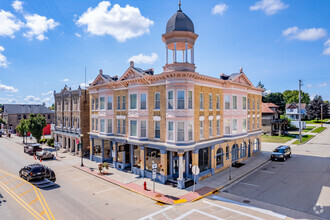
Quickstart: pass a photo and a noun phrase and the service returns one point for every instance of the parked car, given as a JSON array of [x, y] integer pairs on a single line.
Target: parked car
[[281, 153], [43, 155], [32, 149], [32, 172], [37, 171]]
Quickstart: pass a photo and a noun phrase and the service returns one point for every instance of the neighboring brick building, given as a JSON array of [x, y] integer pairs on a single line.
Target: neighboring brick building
[[72, 119], [178, 118], [13, 113]]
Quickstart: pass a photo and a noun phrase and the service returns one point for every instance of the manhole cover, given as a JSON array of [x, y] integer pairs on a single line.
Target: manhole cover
[[246, 201]]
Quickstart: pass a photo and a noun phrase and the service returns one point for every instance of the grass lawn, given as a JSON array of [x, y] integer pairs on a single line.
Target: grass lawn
[[309, 128], [316, 121], [319, 129], [276, 139], [304, 139]]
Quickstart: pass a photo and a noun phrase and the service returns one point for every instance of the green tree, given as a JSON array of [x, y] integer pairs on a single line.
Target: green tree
[[52, 107], [36, 125], [23, 128], [313, 110], [277, 98], [293, 96]]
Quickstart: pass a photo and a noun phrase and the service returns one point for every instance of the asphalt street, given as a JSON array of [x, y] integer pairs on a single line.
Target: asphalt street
[[300, 183]]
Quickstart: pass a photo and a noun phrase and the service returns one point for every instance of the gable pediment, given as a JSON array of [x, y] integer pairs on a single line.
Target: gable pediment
[[242, 78], [99, 80], [130, 73]]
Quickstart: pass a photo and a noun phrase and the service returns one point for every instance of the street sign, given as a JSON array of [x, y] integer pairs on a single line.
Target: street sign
[[154, 175], [154, 166], [195, 170]]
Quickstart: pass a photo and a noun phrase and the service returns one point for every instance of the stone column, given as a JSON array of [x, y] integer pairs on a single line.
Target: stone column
[[187, 164], [181, 184], [92, 149], [142, 158], [192, 55], [102, 147], [163, 162], [213, 161]]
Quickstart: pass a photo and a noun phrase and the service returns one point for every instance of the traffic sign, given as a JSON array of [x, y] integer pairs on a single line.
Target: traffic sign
[[154, 166], [195, 170], [154, 175]]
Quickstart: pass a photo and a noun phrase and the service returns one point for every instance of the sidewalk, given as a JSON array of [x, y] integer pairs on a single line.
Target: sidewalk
[[170, 195]]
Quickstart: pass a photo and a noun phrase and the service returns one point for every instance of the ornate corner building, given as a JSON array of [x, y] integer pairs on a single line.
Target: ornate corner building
[[178, 118]]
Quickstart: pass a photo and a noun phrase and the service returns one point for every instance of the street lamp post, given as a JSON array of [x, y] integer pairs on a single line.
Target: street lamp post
[[81, 149]]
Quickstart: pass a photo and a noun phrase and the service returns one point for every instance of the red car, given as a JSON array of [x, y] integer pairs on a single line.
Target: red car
[[32, 149]]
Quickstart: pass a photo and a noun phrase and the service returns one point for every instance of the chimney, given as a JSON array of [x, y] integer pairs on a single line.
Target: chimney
[[101, 71], [241, 70]]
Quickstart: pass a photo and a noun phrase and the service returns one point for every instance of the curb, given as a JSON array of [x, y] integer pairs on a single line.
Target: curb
[[160, 201], [227, 184]]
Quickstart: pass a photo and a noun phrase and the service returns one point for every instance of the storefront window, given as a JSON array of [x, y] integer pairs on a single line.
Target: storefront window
[[107, 152], [152, 156], [97, 148], [136, 156], [243, 149], [123, 151], [203, 159]]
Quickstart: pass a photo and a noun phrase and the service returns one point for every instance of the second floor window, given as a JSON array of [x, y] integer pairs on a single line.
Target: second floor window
[[109, 104], [96, 124], [190, 100], [218, 127], [170, 130], [133, 102], [201, 129], [258, 104], [210, 101], [143, 101], [143, 129], [118, 102], [170, 99], [227, 126], [180, 131], [102, 105], [124, 103], [157, 129], [124, 126], [118, 126], [133, 128], [102, 125], [248, 103], [210, 128], [218, 102], [110, 126], [180, 104], [253, 104], [227, 102], [96, 104], [244, 125], [93, 121], [93, 107], [157, 100], [234, 102], [201, 100], [244, 103]]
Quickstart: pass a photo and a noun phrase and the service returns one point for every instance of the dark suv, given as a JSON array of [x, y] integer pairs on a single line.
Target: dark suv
[[32, 172], [32, 149], [281, 153]]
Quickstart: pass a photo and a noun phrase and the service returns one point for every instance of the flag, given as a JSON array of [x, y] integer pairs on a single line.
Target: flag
[[77, 140]]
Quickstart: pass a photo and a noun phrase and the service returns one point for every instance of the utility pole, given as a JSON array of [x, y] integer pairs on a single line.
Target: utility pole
[[321, 115], [299, 109]]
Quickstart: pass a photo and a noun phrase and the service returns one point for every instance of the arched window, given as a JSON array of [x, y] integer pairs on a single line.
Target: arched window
[[234, 152], [243, 149], [219, 157], [256, 145]]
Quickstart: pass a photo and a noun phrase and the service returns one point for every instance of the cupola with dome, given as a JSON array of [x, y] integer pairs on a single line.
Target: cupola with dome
[[180, 39]]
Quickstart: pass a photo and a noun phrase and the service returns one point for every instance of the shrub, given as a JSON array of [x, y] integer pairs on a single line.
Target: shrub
[[50, 141]]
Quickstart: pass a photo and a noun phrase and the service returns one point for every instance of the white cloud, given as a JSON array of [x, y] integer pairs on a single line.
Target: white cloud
[[145, 59], [322, 84], [8, 100], [9, 24], [47, 93], [5, 88], [309, 85], [121, 23], [77, 34], [83, 85], [269, 6], [65, 80], [219, 9], [3, 60], [18, 6], [32, 99], [326, 50], [310, 34], [38, 25]]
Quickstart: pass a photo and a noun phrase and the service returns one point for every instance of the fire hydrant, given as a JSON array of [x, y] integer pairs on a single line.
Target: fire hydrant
[[145, 185]]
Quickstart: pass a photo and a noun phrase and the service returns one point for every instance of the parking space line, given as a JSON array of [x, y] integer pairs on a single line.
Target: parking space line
[[18, 186], [156, 213], [265, 171], [25, 192], [33, 201], [200, 212], [233, 210], [249, 184]]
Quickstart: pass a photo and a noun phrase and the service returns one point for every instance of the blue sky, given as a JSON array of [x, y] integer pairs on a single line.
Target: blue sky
[[46, 44]]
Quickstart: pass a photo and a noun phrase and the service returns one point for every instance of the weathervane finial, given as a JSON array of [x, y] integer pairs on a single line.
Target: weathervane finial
[[179, 5]]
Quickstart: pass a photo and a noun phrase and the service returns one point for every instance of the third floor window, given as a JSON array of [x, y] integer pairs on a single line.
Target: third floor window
[[157, 100], [180, 104]]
